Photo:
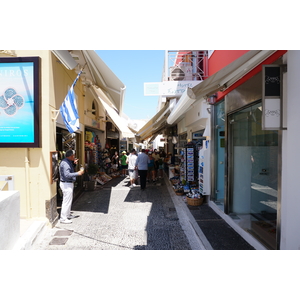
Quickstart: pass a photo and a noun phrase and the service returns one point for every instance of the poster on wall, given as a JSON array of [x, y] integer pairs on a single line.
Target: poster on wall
[[19, 102]]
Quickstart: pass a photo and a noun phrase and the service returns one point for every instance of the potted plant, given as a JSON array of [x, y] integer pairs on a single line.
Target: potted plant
[[92, 170]]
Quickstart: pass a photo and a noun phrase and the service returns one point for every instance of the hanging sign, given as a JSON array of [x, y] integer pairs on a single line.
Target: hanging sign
[[272, 97]]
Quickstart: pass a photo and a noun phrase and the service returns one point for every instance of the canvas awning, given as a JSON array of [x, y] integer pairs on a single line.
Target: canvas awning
[[65, 58], [113, 115], [104, 78]]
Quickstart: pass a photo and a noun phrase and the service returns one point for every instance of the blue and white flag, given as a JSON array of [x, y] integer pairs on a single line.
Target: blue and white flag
[[69, 110]]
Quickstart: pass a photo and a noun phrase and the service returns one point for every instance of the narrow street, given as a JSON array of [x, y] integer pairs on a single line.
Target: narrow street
[[115, 217]]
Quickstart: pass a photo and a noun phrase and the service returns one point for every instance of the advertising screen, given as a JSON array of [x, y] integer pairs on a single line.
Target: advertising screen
[[19, 102]]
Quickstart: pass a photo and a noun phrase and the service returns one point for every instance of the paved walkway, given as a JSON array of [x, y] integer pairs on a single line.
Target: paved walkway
[[115, 217]]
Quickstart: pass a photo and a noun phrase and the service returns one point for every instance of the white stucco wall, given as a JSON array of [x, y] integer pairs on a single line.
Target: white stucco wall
[[9, 219], [290, 204]]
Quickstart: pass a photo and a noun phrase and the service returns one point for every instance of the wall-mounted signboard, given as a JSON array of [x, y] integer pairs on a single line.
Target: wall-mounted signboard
[[20, 102], [168, 88], [272, 102]]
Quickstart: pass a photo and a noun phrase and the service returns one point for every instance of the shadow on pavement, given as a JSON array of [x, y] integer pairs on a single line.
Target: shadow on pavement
[[98, 200], [163, 229]]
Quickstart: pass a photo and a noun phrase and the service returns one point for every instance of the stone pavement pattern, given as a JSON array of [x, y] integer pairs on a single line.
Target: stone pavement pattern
[[115, 217]]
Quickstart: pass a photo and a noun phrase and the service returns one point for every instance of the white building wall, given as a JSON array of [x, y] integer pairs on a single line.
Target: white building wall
[[290, 203]]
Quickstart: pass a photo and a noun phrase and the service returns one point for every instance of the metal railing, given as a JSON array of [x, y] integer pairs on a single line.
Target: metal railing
[[187, 65]]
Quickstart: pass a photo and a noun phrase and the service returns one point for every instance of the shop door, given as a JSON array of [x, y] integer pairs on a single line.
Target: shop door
[[220, 155], [253, 174]]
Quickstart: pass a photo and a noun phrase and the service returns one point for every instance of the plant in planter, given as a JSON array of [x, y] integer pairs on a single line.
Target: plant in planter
[[92, 170]]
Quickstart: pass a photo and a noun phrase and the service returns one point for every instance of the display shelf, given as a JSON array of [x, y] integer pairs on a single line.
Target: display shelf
[[204, 170]]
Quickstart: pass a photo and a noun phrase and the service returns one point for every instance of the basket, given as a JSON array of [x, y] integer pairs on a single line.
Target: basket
[[179, 194], [194, 201]]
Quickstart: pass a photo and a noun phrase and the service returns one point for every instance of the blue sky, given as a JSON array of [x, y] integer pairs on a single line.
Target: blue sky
[[133, 68]]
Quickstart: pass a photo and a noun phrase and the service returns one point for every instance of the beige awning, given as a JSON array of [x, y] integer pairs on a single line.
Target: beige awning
[[220, 81], [65, 58], [104, 77]]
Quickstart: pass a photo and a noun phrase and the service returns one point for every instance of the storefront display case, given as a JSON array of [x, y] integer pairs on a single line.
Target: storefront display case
[[204, 169], [189, 163]]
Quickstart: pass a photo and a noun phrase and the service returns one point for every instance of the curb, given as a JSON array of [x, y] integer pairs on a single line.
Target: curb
[[195, 236]]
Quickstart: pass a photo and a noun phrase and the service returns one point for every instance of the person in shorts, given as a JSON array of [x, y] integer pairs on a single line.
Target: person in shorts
[[123, 163], [131, 168]]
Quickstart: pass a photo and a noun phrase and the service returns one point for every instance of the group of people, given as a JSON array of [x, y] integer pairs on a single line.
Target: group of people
[[147, 165]]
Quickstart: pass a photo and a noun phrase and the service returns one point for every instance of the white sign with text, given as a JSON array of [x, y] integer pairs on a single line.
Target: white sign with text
[[168, 88]]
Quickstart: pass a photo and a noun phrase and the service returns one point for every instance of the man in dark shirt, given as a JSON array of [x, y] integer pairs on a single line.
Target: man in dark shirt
[[141, 164], [67, 179]]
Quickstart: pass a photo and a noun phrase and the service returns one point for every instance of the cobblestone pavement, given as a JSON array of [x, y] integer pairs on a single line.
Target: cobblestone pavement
[[115, 217]]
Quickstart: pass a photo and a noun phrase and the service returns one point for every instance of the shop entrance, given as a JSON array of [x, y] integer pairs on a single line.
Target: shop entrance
[[253, 174], [220, 155]]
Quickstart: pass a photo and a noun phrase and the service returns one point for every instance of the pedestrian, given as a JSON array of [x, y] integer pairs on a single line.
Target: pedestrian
[[161, 166], [131, 167], [151, 167], [115, 161], [123, 163], [67, 179], [156, 157], [141, 165]]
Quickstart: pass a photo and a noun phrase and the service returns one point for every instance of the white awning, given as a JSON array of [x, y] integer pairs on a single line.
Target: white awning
[[104, 77], [115, 118], [220, 81], [65, 58]]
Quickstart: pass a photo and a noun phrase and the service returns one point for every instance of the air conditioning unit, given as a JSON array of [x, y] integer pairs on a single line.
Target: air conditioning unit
[[180, 73]]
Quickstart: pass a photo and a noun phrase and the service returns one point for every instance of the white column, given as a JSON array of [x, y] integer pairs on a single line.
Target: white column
[[290, 196]]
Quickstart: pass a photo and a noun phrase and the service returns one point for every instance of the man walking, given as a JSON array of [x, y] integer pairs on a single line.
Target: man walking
[[131, 167], [67, 179], [142, 165]]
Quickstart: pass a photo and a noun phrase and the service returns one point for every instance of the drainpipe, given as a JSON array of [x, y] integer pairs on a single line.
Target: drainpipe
[[27, 184]]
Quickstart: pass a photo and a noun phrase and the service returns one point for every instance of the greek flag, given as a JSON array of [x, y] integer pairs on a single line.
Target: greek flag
[[69, 110]]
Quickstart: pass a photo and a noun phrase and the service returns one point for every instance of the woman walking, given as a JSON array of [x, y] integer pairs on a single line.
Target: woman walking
[[151, 167]]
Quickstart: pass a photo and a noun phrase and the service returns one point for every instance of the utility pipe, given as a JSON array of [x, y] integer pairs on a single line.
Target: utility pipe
[[27, 184]]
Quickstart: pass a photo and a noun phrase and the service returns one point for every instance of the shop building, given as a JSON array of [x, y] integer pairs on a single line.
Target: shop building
[[250, 144], [42, 85]]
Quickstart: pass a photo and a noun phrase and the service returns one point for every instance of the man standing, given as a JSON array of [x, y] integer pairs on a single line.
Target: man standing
[[131, 167], [123, 163], [67, 179], [142, 165]]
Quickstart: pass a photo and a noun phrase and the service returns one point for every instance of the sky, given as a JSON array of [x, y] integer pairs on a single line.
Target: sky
[[133, 68]]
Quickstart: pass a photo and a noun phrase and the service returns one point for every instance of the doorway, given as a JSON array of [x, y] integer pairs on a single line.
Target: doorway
[[253, 174], [219, 133]]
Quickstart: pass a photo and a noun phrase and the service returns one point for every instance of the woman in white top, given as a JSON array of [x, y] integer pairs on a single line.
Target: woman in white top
[[131, 160]]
